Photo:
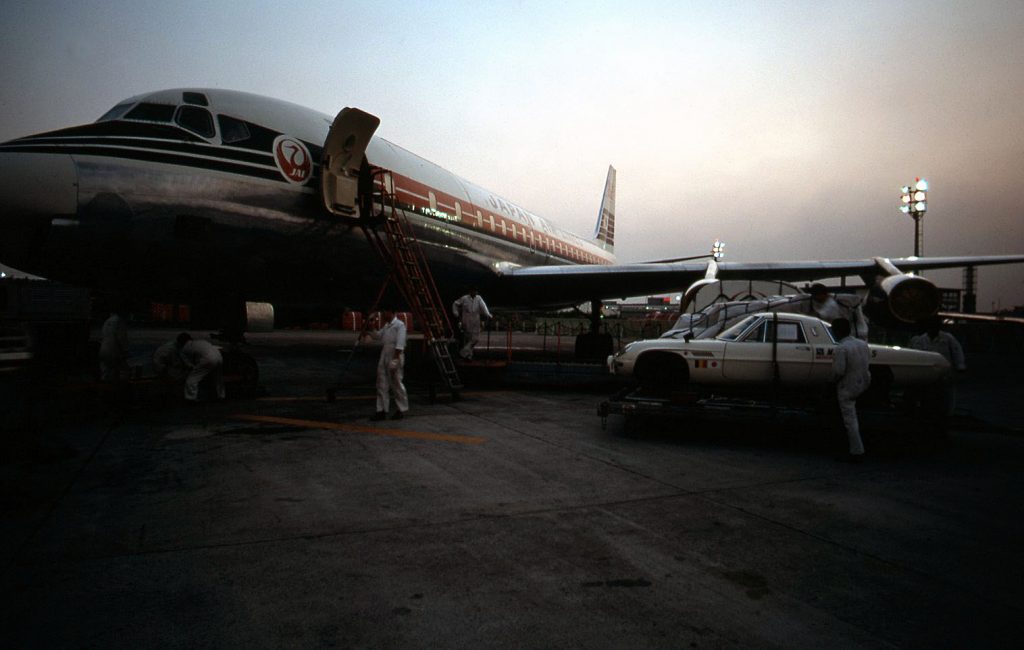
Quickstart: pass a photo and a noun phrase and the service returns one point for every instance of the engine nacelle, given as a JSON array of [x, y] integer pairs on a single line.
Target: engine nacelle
[[902, 300]]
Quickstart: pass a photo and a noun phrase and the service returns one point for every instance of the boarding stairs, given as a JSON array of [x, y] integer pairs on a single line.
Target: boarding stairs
[[390, 234]]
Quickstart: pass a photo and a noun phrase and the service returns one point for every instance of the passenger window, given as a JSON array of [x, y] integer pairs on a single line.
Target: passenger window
[[232, 130], [151, 112], [195, 119]]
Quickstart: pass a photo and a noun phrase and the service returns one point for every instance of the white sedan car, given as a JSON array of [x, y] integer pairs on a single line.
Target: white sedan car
[[750, 353]]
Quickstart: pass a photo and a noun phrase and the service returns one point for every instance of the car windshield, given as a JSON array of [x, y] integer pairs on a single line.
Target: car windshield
[[736, 330]]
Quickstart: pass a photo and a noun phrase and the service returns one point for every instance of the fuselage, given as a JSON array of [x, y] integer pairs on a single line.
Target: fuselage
[[181, 193]]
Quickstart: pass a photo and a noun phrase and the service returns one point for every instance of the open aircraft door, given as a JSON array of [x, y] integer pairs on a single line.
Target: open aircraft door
[[344, 153]]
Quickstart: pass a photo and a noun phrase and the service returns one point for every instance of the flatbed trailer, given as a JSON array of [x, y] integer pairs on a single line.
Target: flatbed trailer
[[633, 401], [709, 412]]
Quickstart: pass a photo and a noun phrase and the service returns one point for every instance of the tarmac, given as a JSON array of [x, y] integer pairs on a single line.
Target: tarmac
[[507, 519]]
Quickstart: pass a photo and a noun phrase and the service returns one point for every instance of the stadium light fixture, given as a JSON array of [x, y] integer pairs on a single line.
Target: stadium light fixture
[[914, 200], [718, 249]]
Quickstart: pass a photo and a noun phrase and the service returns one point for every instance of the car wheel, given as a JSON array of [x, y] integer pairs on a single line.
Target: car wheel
[[661, 373]]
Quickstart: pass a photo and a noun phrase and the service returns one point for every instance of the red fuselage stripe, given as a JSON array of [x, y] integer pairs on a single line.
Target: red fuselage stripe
[[417, 194]]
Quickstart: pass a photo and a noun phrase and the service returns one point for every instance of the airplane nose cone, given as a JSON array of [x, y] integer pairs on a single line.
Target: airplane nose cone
[[35, 190]]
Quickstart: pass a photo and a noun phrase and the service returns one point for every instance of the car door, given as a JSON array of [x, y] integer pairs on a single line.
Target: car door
[[823, 347], [754, 357], [793, 352]]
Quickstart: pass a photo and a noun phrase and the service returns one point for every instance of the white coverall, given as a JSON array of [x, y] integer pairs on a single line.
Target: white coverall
[[850, 370], [167, 361], [389, 379], [847, 307], [202, 358], [468, 310], [113, 348], [945, 344]]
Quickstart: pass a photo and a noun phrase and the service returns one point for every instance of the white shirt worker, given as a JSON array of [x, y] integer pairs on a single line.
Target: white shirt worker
[[113, 349], [468, 309], [945, 344], [850, 370], [202, 358], [391, 368], [167, 362]]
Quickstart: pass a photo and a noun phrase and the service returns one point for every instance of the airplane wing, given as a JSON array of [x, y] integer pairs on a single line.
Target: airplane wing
[[572, 284], [981, 318]]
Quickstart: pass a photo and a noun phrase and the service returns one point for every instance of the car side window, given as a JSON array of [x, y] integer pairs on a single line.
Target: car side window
[[791, 333], [765, 332]]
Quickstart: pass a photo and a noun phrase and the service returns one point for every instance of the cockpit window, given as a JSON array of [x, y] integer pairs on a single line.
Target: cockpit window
[[246, 134], [232, 130], [116, 112], [198, 99], [195, 119], [151, 112]]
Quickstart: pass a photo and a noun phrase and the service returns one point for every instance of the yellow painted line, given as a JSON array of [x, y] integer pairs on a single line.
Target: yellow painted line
[[358, 428]]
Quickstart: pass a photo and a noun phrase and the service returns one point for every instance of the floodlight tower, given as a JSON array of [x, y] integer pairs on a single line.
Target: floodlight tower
[[915, 203], [718, 250]]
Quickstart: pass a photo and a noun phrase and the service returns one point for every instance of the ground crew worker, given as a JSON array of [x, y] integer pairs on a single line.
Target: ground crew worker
[[850, 371], [468, 309], [201, 358], [391, 367], [828, 308], [167, 361], [113, 354], [934, 339]]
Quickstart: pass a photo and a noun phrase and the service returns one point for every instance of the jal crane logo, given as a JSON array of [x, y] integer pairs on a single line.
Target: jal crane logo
[[293, 159]]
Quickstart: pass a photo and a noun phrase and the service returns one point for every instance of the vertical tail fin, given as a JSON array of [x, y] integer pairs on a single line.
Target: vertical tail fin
[[604, 233]]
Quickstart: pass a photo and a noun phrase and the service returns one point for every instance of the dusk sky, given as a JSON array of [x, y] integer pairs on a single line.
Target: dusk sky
[[784, 128]]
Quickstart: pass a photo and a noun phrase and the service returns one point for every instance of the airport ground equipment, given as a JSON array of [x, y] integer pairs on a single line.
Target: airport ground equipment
[[694, 406], [48, 321], [15, 346], [332, 392], [909, 412], [400, 250]]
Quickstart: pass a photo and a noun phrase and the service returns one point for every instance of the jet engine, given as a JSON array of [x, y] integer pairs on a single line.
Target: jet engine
[[901, 300]]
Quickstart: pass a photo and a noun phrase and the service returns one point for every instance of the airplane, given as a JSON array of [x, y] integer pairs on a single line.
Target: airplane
[[216, 197]]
